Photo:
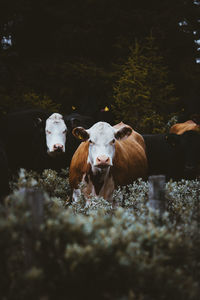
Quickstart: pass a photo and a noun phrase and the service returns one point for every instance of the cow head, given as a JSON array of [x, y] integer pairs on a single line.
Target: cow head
[[101, 137], [55, 134], [188, 146]]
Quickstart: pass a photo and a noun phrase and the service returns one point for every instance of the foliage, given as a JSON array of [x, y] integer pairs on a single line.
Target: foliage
[[82, 84], [142, 92], [7, 103], [54, 183], [100, 252], [171, 122], [67, 51], [10, 102], [35, 101], [95, 34]]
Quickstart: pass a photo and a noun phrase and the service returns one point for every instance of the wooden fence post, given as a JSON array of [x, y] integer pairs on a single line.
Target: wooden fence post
[[35, 200], [35, 204], [157, 192]]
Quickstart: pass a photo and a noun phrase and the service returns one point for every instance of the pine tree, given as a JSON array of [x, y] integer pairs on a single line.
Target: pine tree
[[143, 97]]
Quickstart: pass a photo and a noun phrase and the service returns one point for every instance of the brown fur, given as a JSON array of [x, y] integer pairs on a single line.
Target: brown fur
[[129, 162], [180, 128], [79, 166]]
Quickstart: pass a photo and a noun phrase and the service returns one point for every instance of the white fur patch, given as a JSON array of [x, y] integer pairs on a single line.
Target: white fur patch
[[55, 132], [101, 136]]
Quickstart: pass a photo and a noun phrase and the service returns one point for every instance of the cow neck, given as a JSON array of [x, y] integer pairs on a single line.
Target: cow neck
[[98, 178]]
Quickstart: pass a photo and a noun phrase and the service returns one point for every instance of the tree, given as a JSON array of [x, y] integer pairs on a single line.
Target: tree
[[54, 41], [143, 97]]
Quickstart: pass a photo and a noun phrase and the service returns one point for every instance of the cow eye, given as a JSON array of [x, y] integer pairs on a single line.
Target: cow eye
[[64, 131], [113, 141], [47, 131], [91, 142]]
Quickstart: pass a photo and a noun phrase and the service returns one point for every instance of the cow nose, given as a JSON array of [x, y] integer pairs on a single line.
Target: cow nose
[[103, 160], [57, 147]]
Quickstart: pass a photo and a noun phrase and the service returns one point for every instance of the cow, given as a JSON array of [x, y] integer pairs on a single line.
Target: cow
[[56, 153], [176, 156], [162, 157], [180, 128], [108, 156], [188, 146], [4, 173], [24, 137], [56, 131], [34, 139]]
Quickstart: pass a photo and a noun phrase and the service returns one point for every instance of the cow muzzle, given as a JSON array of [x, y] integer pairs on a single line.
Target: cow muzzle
[[103, 161], [57, 149]]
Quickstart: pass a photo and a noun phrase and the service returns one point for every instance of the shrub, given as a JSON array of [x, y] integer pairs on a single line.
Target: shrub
[[99, 252]]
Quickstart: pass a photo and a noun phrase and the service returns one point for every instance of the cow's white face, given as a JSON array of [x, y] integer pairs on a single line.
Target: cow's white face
[[101, 137], [55, 134]]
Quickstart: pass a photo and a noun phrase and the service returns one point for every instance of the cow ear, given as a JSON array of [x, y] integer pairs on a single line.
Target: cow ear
[[38, 122], [172, 139], [123, 132], [80, 133]]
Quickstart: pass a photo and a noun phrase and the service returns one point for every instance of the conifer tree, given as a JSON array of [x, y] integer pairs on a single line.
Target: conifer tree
[[143, 97]]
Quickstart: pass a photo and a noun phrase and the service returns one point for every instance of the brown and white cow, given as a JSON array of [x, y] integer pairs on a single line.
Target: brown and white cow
[[180, 128], [108, 156]]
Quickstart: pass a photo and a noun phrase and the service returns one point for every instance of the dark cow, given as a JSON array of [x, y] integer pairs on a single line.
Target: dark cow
[[24, 137], [4, 176], [34, 139], [188, 144], [176, 156]]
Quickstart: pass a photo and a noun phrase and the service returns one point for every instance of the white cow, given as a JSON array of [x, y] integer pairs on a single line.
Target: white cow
[[55, 134]]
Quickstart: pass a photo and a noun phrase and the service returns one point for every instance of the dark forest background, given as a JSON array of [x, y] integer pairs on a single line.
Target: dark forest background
[[84, 55]]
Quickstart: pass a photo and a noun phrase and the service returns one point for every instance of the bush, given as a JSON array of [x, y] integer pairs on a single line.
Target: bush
[[99, 252]]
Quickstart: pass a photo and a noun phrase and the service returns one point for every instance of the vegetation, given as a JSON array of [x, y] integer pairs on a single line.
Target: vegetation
[[83, 54], [99, 252], [142, 92], [67, 50], [27, 101]]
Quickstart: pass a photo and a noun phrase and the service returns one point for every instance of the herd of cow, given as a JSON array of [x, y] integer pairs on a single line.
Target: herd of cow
[[98, 154]]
